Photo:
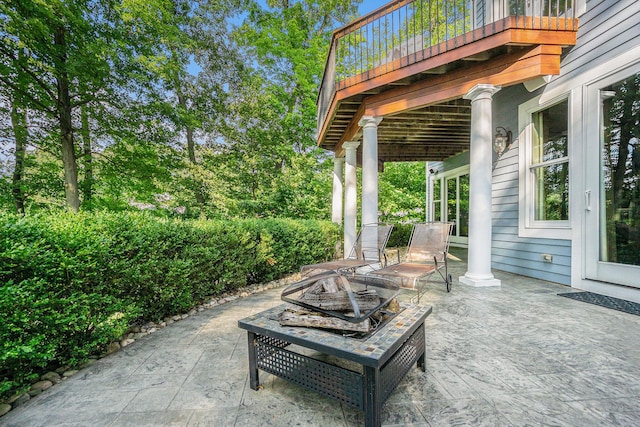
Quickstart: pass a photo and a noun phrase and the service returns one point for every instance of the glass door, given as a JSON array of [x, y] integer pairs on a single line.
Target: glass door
[[457, 206], [612, 198]]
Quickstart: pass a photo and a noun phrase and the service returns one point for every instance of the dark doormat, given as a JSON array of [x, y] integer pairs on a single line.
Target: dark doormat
[[605, 301]]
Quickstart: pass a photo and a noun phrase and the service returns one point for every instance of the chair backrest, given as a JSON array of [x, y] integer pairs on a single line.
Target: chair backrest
[[371, 242], [429, 240]]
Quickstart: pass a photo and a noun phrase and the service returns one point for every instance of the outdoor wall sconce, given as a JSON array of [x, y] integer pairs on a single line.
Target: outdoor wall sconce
[[502, 140]]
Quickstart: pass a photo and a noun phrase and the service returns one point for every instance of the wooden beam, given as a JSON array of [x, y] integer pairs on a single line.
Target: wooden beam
[[475, 45], [508, 70]]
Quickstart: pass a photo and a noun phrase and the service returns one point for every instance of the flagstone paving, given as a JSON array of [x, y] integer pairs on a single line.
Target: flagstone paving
[[515, 355]]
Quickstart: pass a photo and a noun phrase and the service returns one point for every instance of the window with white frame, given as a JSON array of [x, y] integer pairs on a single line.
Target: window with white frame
[[544, 169]]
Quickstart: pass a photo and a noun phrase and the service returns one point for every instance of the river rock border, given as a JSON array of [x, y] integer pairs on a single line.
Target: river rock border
[[52, 378]]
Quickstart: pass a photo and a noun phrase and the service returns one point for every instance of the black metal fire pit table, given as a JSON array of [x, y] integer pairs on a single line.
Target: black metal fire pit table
[[385, 356]]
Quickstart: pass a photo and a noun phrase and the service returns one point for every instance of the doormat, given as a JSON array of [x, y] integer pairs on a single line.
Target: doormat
[[605, 301]]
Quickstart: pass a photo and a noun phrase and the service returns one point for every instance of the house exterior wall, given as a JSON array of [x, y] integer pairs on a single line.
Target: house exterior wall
[[509, 251], [608, 36], [608, 39]]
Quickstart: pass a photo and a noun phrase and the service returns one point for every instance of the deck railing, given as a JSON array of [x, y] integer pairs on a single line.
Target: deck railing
[[404, 32]]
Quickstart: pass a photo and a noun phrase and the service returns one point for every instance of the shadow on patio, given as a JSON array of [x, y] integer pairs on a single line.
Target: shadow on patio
[[514, 355]]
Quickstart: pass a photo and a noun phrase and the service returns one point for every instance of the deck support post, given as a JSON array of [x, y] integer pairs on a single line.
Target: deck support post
[[369, 126], [336, 205], [350, 196], [480, 175]]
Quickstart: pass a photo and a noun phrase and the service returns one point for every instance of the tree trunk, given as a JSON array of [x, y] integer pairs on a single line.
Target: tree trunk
[[19, 124], [191, 152], [66, 129], [87, 183]]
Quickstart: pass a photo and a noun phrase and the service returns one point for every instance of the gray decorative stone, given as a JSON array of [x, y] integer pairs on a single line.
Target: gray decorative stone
[[13, 398], [113, 347], [54, 377], [34, 393], [41, 386], [126, 342], [69, 373], [4, 408], [21, 399]]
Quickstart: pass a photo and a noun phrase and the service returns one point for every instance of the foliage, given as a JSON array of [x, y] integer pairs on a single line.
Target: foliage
[[206, 105], [402, 196], [400, 235], [71, 283]]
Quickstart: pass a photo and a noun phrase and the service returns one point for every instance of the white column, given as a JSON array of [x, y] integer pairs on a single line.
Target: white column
[[350, 196], [369, 126], [336, 206], [479, 262]]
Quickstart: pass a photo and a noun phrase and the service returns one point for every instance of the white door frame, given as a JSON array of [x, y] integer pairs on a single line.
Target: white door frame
[[594, 269]]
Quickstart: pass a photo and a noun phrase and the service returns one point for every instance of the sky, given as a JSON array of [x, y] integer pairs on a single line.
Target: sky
[[365, 7], [371, 5]]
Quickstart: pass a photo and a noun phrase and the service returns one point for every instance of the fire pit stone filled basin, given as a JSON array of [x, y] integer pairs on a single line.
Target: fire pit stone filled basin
[[341, 302]]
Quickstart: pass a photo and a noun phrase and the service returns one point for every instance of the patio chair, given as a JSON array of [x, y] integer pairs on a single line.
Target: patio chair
[[426, 254], [368, 250]]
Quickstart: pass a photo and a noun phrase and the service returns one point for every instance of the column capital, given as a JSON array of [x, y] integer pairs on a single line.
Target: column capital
[[481, 91], [350, 144], [368, 121], [338, 160]]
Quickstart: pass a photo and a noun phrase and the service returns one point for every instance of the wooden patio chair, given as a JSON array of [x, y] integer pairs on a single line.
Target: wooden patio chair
[[368, 250], [426, 253]]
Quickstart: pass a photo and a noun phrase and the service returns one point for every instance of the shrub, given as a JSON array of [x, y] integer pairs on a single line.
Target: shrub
[[400, 235], [72, 283]]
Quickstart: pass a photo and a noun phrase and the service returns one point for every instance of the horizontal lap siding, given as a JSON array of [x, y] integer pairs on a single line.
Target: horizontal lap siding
[[509, 252], [607, 29]]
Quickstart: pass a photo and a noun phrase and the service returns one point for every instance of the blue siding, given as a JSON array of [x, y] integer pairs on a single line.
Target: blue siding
[[509, 252], [607, 29]]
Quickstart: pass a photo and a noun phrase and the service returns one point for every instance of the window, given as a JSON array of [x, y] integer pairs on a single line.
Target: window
[[437, 198], [451, 202], [544, 166], [550, 164]]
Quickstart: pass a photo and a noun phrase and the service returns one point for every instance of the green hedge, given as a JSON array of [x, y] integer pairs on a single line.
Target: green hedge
[[399, 237], [72, 283]]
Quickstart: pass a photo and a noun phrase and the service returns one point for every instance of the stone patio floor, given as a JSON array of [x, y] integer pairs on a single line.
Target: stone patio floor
[[515, 355]]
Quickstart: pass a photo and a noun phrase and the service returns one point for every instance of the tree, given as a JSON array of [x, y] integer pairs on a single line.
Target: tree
[[286, 42], [402, 192], [72, 55]]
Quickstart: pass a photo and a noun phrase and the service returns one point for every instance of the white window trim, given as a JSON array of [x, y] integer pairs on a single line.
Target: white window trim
[[527, 225]]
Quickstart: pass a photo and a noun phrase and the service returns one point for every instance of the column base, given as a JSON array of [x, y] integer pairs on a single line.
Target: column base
[[479, 281]]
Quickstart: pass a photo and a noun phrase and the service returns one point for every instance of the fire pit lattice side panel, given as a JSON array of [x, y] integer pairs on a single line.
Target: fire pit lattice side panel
[[397, 367], [329, 380]]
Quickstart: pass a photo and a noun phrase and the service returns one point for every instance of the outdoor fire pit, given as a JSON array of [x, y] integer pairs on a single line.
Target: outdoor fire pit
[[375, 362], [344, 303]]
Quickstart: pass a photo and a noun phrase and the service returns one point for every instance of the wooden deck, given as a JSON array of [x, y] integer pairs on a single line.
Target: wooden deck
[[416, 83]]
